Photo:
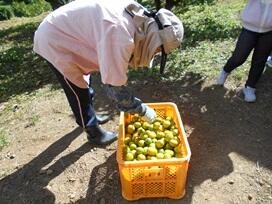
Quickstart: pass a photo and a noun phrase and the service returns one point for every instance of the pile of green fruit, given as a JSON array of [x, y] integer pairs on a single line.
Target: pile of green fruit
[[151, 141]]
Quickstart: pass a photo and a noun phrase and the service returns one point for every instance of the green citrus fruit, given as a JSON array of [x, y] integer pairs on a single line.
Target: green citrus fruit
[[168, 151], [160, 143], [158, 119], [151, 127], [168, 146], [140, 150], [169, 118], [144, 136], [132, 146], [167, 156], [173, 142], [141, 157], [168, 135], [160, 134], [161, 151], [129, 156], [175, 132], [127, 140], [133, 152], [148, 141], [151, 134], [126, 149], [145, 150], [137, 124], [152, 151], [160, 155], [154, 140], [145, 125], [141, 143], [141, 130], [135, 117], [130, 128], [166, 123], [156, 125]]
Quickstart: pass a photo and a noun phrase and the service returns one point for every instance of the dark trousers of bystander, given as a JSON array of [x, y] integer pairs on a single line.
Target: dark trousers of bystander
[[261, 44]]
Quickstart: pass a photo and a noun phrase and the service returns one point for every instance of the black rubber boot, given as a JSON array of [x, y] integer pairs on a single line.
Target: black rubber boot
[[101, 119], [96, 135]]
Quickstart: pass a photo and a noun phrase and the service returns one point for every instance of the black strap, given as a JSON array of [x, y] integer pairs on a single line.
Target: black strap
[[163, 54]]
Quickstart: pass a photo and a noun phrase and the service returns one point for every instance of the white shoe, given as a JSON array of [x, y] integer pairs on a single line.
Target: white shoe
[[249, 93], [222, 77], [269, 62]]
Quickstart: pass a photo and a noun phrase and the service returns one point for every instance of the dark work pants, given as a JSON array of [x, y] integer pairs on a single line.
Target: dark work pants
[[80, 100], [261, 43]]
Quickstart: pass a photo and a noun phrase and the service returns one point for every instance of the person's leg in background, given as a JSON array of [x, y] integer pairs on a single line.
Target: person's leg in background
[[269, 60], [80, 102], [259, 57], [244, 46]]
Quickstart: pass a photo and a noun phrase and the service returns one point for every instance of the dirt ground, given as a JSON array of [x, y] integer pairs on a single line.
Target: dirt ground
[[50, 161]]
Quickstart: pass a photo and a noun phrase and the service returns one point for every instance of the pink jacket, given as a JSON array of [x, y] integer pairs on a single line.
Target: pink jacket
[[86, 36], [257, 16]]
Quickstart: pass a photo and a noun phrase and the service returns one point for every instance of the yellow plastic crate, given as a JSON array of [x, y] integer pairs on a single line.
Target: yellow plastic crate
[[154, 178]]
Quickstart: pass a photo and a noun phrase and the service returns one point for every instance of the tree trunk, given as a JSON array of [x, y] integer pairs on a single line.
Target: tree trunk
[[169, 4], [158, 4]]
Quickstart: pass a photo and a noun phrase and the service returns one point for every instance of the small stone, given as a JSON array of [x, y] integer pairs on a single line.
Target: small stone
[[92, 150], [15, 108], [49, 171], [71, 195], [47, 187], [249, 197], [102, 201], [72, 179], [95, 148], [12, 156], [231, 182]]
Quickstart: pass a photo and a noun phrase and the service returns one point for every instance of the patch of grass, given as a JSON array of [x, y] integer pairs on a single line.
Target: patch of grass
[[3, 138], [33, 120], [21, 70], [210, 37]]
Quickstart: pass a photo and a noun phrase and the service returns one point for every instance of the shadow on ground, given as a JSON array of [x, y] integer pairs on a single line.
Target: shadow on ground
[[28, 185], [220, 123]]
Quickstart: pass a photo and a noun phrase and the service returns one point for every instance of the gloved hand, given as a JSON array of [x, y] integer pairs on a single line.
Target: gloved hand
[[149, 115]]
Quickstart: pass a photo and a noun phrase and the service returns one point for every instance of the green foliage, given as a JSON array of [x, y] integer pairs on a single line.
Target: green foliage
[[176, 3], [210, 35], [3, 138], [21, 71], [19, 8], [11, 1], [30, 9], [6, 12], [211, 22]]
